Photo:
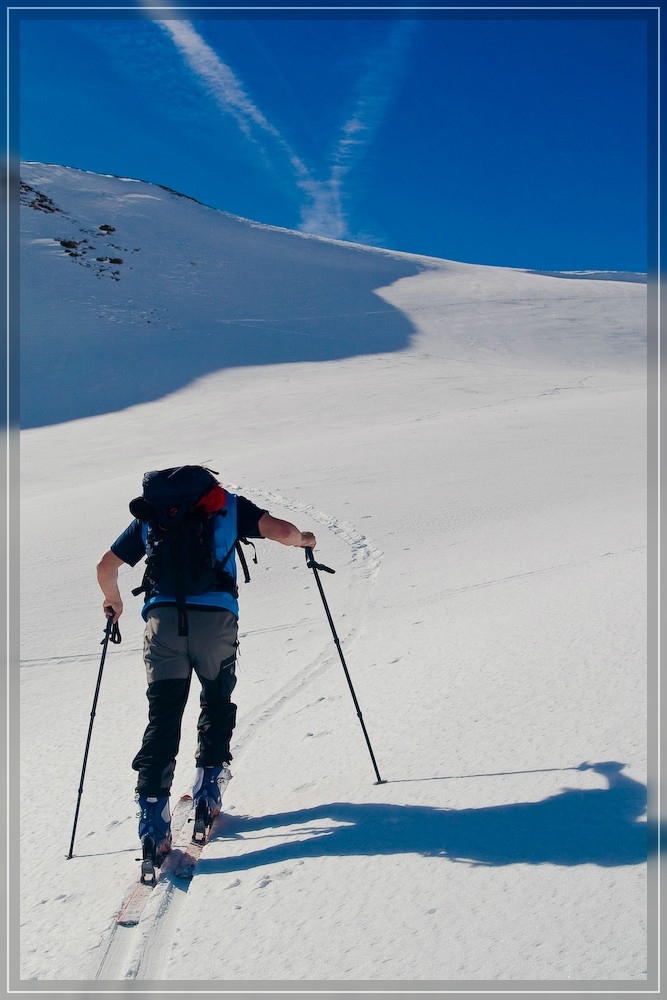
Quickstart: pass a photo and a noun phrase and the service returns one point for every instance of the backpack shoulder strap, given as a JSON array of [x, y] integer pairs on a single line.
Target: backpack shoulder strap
[[242, 559], [236, 546]]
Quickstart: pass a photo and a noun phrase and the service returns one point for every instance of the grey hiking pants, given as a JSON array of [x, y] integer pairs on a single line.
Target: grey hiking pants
[[209, 650]]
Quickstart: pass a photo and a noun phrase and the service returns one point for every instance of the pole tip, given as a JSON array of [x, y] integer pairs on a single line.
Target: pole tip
[[380, 781]]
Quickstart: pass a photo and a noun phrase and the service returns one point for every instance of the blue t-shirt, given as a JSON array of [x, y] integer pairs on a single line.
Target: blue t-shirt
[[239, 518]]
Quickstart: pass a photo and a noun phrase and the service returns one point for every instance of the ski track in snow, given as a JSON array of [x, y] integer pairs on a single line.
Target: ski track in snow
[[365, 558], [535, 572], [142, 952], [363, 550]]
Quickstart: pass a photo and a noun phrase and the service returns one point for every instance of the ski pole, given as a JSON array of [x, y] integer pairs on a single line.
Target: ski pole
[[111, 633], [311, 564]]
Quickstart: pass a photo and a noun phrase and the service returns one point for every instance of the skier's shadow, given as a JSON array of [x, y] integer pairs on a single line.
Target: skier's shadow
[[576, 827]]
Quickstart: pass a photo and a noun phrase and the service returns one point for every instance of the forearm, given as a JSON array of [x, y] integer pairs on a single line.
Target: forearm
[[107, 577], [278, 530]]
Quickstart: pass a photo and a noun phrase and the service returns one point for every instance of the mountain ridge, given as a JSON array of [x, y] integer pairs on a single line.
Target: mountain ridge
[[158, 270]]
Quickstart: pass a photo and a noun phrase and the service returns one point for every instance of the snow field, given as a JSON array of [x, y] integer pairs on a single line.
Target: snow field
[[481, 493]]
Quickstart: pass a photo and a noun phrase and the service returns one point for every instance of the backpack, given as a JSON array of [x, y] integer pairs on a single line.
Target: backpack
[[180, 549]]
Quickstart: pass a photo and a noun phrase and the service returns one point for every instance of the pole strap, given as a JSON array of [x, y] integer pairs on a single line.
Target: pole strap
[[112, 634]]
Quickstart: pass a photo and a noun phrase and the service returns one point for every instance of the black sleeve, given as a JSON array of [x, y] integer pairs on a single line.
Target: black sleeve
[[130, 545], [247, 518]]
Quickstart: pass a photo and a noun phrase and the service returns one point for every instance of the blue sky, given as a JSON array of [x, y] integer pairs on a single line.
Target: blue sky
[[518, 140]]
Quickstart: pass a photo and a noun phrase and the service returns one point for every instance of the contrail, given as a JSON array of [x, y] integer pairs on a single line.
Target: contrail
[[375, 91], [225, 87], [323, 213]]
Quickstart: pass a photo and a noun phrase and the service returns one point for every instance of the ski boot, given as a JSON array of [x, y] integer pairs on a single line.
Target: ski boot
[[154, 833], [208, 788]]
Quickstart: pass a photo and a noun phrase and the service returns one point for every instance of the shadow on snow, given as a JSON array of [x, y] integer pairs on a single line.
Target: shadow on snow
[[278, 298], [576, 827]]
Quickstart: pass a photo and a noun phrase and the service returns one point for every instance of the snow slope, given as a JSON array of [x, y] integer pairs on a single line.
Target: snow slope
[[468, 443]]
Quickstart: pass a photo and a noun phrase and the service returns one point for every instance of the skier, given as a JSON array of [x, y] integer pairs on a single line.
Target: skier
[[209, 645]]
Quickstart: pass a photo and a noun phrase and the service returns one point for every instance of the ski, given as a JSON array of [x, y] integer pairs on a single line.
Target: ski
[[178, 864]]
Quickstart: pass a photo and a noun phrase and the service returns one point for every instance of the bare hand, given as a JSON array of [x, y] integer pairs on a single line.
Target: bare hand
[[308, 540], [113, 609]]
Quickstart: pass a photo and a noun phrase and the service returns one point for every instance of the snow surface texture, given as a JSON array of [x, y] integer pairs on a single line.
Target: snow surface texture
[[468, 443]]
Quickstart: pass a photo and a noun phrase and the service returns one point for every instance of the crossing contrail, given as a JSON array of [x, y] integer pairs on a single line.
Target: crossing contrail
[[322, 211]]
